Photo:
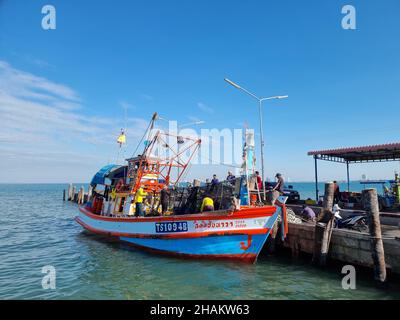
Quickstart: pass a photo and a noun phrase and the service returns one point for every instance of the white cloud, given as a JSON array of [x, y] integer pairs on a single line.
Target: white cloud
[[126, 106], [194, 119], [205, 108], [147, 97], [23, 84], [46, 122]]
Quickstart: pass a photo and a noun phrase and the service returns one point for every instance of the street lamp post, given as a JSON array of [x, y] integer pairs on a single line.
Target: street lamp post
[[260, 101]]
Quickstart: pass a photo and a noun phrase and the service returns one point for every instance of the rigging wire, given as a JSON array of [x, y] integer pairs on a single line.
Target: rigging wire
[[141, 140]]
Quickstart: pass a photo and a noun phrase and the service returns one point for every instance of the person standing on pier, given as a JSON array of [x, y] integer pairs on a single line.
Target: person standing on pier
[[140, 194]]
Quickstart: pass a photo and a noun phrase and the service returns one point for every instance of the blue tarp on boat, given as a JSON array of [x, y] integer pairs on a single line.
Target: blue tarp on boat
[[100, 176]]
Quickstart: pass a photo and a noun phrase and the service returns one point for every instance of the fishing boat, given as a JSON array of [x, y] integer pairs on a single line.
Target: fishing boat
[[237, 228]]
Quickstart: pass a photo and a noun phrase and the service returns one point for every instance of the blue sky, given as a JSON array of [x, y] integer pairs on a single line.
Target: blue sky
[[172, 57]]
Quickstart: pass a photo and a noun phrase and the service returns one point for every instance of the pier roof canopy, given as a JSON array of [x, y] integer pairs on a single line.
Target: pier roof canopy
[[373, 153]]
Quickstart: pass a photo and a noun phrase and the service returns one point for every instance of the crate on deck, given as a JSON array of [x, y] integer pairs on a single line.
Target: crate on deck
[[188, 200]]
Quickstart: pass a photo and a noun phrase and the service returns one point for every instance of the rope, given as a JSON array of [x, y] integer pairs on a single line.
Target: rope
[[141, 140]]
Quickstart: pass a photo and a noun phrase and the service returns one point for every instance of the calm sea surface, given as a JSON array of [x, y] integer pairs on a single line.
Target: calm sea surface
[[38, 229]]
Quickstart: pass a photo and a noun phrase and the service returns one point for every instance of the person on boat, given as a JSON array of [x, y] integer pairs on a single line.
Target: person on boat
[[164, 199], [259, 181], [276, 191], [280, 184], [214, 183], [207, 204], [230, 178], [139, 196], [214, 180], [336, 192]]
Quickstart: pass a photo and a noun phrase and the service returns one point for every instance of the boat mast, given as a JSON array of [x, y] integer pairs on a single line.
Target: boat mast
[[151, 168]]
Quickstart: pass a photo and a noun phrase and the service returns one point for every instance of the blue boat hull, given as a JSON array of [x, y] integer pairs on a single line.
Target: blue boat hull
[[231, 235], [242, 247]]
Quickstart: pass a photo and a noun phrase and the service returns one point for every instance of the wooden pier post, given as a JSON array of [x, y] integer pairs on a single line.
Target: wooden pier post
[[378, 254], [323, 227], [74, 194], [271, 248], [81, 194], [64, 195], [89, 193], [70, 192]]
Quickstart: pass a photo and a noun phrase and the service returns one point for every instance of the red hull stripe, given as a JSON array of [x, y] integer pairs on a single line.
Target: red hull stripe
[[245, 257], [171, 236], [242, 214]]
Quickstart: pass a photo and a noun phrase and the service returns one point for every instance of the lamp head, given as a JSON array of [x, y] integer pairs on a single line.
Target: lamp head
[[232, 83]]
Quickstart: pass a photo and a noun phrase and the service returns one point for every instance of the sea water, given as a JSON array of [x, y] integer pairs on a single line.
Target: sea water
[[37, 229]]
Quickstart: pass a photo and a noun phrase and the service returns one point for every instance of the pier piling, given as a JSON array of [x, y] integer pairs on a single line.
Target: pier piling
[[81, 194], [70, 192], [74, 194], [378, 255], [323, 228], [80, 197]]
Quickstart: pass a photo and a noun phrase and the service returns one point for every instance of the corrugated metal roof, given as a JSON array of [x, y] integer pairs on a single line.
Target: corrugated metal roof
[[380, 152]]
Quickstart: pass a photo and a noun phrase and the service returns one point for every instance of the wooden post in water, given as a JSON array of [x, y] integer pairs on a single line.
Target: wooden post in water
[[64, 195], [89, 194], [80, 195], [271, 248], [378, 255], [69, 192], [323, 227], [74, 194]]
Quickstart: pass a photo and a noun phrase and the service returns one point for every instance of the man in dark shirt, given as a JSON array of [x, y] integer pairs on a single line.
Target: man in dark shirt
[[230, 178], [214, 183], [164, 199], [336, 192], [279, 184], [277, 191]]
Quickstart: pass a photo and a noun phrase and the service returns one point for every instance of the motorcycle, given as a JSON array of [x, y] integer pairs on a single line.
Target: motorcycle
[[355, 221]]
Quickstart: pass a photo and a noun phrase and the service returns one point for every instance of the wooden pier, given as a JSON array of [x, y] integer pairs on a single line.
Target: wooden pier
[[379, 248], [348, 246]]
